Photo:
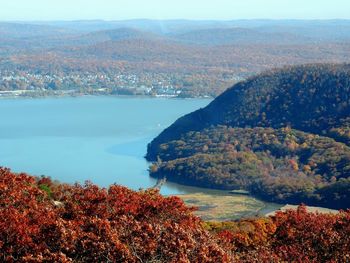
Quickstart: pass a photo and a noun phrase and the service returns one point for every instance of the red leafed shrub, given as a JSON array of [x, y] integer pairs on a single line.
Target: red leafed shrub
[[291, 236], [312, 237], [42, 221]]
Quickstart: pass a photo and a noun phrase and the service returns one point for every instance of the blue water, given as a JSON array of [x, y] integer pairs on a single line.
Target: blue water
[[101, 139]]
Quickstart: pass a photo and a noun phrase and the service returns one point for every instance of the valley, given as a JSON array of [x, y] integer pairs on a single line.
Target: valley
[[158, 58]]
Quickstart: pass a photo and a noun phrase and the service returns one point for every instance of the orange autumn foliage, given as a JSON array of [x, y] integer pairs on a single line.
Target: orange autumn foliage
[[90, 224], [42, 221]]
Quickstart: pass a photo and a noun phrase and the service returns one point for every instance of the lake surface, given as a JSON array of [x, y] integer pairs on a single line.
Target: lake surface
[[101, 139]]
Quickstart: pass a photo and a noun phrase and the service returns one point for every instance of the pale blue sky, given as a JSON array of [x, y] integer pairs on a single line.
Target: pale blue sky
[[173, 9]]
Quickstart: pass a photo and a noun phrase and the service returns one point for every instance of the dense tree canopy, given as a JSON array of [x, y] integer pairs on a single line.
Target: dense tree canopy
[[288, 141], [282, 165], [312, 98]]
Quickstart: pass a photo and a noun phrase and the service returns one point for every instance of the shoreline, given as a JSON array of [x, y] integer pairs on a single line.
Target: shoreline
[[230, 207], [74, 95]]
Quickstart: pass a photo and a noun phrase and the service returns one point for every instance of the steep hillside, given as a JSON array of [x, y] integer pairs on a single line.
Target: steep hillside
[[311, 98], [286, 138]]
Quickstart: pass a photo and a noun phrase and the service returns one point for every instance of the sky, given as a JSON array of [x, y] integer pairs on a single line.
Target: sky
[[24, 10]]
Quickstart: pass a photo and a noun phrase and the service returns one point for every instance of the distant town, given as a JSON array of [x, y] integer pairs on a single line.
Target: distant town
[[25, 84], [188, 59]]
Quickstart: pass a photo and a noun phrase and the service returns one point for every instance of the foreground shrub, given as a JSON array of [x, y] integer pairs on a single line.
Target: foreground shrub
[[89, 224], [42, 221]]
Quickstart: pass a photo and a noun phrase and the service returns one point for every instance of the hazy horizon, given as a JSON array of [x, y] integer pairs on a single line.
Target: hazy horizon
[[109, 10], [174, 19]]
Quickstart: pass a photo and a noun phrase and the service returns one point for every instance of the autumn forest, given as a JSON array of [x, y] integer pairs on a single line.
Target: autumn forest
[[280, 134]]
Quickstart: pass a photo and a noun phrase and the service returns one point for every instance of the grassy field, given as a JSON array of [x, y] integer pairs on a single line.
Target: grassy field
[[222, 207]]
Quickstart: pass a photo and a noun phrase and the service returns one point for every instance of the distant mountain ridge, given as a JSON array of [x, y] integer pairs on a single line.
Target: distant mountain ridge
[[239, 35], [24, 30], [117, 35], [192, 58], [199, 32]]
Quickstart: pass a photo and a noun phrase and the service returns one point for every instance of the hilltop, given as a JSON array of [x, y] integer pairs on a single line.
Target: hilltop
[[283, 135]]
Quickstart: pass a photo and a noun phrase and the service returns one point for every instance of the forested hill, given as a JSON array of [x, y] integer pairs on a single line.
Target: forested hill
[[283, 135], [310, 98]]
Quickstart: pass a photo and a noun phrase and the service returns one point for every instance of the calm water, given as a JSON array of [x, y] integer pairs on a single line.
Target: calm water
[[102, 139]]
